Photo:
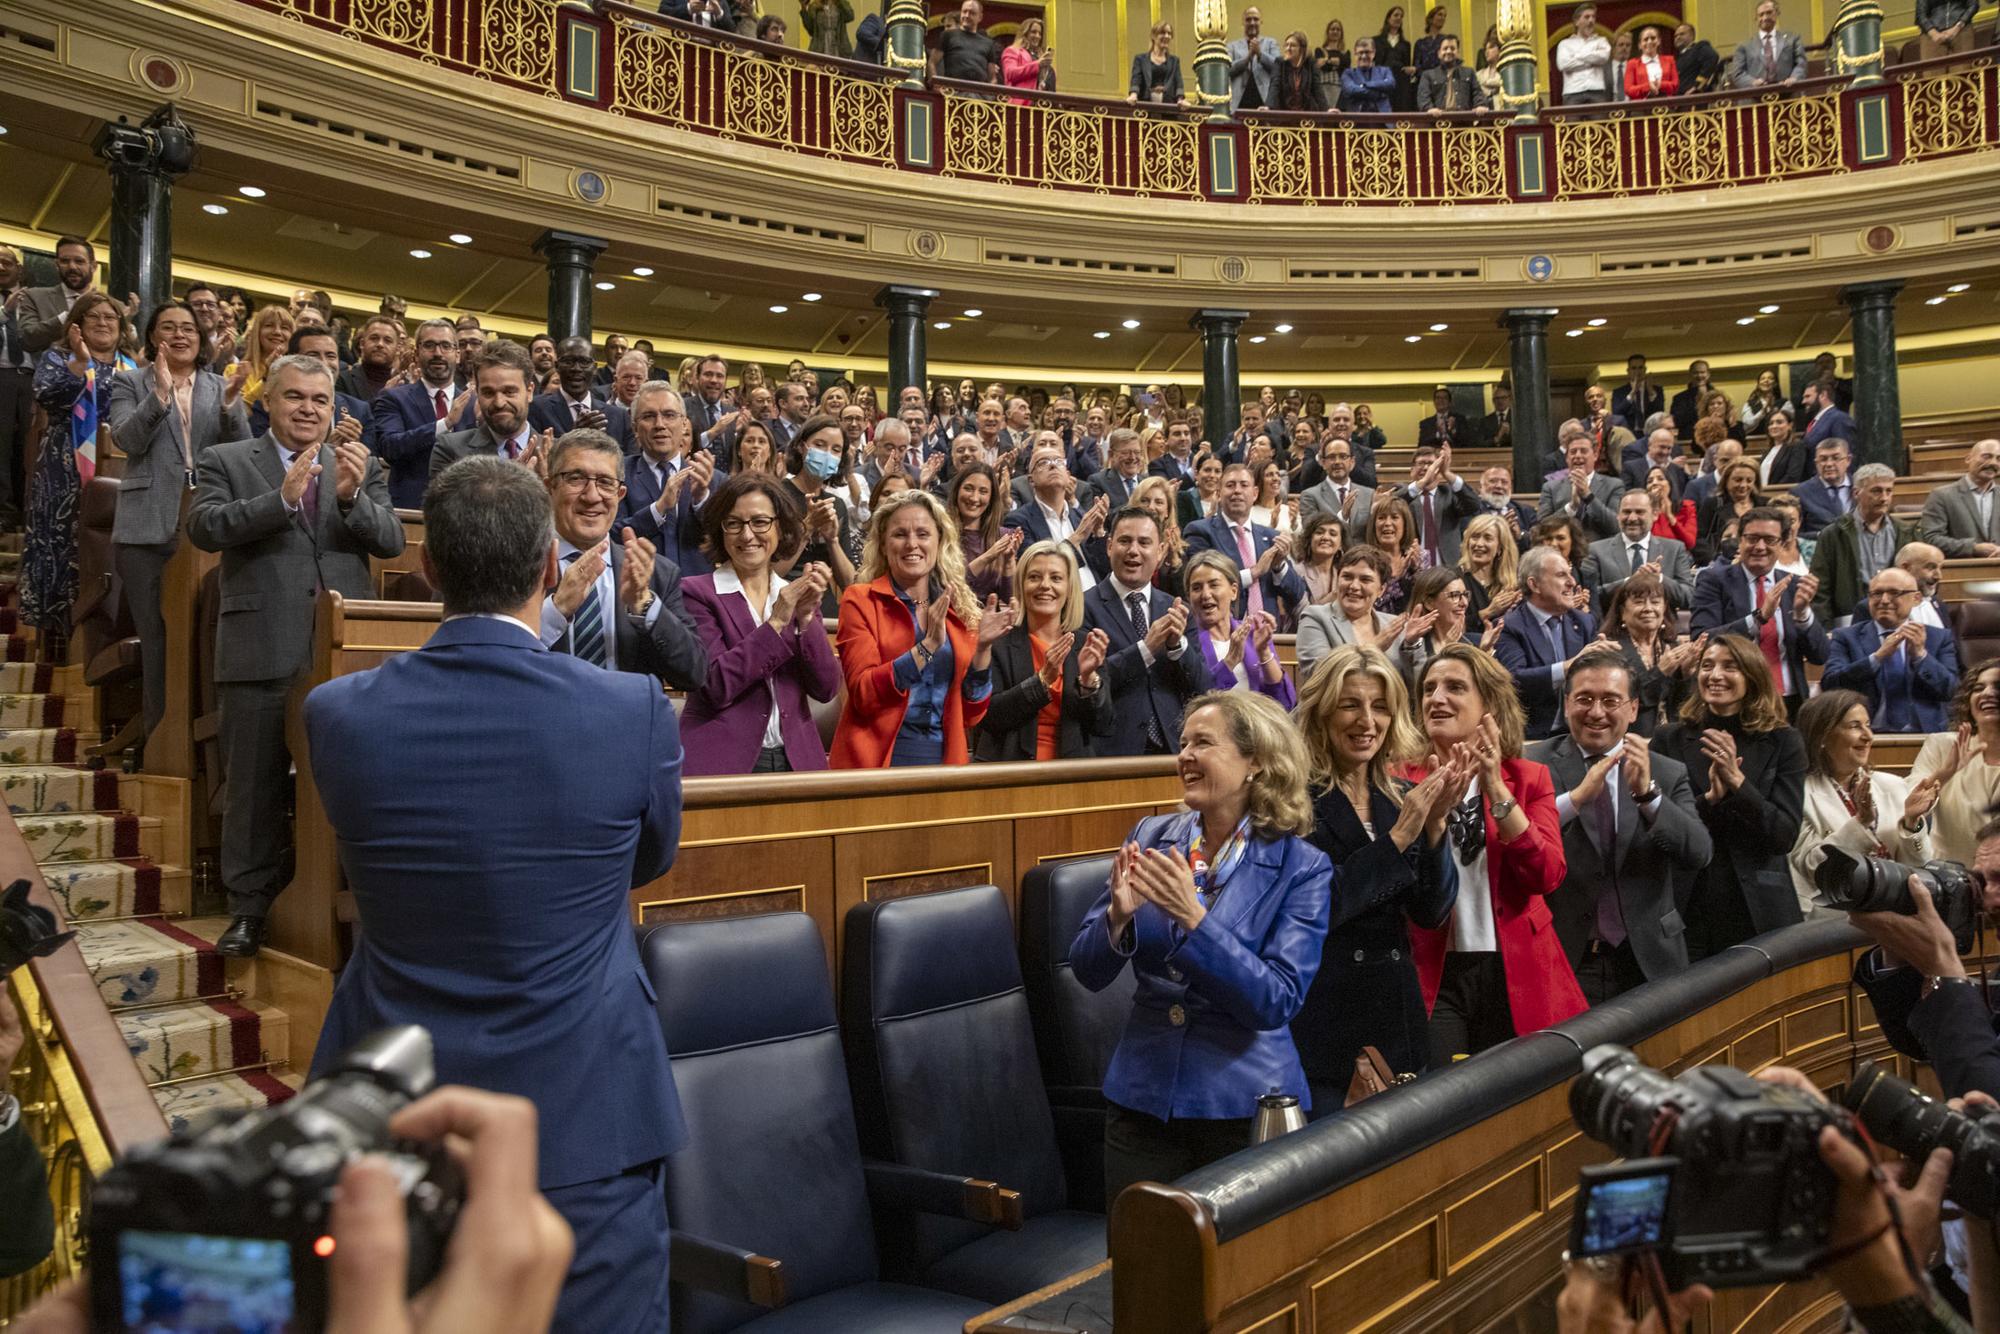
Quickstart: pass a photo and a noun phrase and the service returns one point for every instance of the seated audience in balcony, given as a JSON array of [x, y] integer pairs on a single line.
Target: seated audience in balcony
[[766, 645], [1295, 83], [1906, 670], [1582, 492], [1366, 87], [1850, 805], [1686, 405], [1391, 531], [1449, 86], [1050, 700], [1253, 65], [1240, 654], [1317, 559], [1652, 73], [915, 648], [1767, 56], [1630, 834], [1639, 619], [1720, 514], [1156, 79], [764, 27], [1967, 758], [963, 52], [1392, 49], [1859, 545], [1540, 637], [1747, 768], [1491, 971], [1023, 61], [1695, 60], [73, 385], [1488, 72], [1444, 425], [825, 25], [1209, 1031], [1331, 59], [986, 547], [1960, 517], [1584, 57], [1489, 560], [1387, 840], [1826, 496], [817, 475], [705, 13], [1944, 27]]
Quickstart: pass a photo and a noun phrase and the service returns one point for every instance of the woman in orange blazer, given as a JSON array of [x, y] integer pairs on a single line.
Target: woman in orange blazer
[[914, 647], [1494, 969], [1651, 74]]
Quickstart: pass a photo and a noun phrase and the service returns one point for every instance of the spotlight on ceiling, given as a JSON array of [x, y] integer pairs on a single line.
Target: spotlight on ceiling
[[1767, 310], [459, 238], [1131, 324], [642, 272], [974, 313], [1934, 301], [1748, 319], [217, 209], [1597, 323], [780, 309], [1572, 333], [1256, 338], [1956, 288], [251, 191], [1413, 338], [606, 287], [810, 296], [940, 324], [420, 254], [1439, 328], [1281, 328]]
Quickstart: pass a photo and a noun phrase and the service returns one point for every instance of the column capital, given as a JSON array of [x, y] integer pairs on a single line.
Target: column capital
[[1880, 292], [1527, 319], [1218, 321], [569, 247], [897, 298]]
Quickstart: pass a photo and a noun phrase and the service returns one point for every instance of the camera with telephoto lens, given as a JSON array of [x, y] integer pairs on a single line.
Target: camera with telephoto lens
[[228, 1229], [1876, 884], [1723, 1178], [1911, 1122]]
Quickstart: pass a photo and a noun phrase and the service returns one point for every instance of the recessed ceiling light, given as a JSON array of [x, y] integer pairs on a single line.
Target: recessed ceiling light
[[1281, 328], [1597, 323], [1439, 328], [810, 296], [1413, 338], [420, 254], [1748, 319], [606, 287], [1102, 333], [1935, 301], [1131, 324], [1256, 338], [779, 309], [941, 324], [251, 191], [3, 129], [642, 272], [1767, 310], [1572, 333], [217, 209], [1959, 287], [974, 313], [459, 238]]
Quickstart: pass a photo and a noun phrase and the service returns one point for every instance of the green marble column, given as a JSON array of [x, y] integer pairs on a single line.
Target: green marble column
[[145, 160], [1534, 433], [907, 26], [1220, 395], [1857, 41], [571, 261], [1878, 398]]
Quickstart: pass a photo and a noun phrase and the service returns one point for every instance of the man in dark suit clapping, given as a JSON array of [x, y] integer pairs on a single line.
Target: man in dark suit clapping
[[1773, 610], [1542, 637], [1153, 669], [496, 804], [410, 417], [576, 401]]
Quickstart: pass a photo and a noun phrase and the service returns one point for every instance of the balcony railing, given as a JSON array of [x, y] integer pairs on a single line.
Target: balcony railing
[[643, 67]]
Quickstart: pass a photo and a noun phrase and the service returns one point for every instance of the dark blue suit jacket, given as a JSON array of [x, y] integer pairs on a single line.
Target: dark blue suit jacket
[[491, 864], [550, 412], [1034, 526], [679, 538], [1158, 692], [1851, 665], [1524, 650], [1818, 506], [1238, 979], [1723, 603], [1281, 584], [1831, 423], [405, 430]]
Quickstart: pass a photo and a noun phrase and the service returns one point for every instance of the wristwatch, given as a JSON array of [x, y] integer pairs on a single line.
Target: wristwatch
[[645, 606], [1651, 794], [1504, 808], [1937, 980]]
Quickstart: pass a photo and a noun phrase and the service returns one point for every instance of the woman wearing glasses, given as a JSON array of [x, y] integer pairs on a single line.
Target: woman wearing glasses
[[767, 647]]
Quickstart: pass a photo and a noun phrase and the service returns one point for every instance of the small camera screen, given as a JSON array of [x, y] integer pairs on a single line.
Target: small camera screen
[[1624, 1214], [191, 1283]]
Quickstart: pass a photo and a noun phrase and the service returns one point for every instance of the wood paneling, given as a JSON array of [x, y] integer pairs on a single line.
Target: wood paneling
[[1379, 1282]]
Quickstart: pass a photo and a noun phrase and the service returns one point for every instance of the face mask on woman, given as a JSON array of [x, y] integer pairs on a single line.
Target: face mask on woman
[[822, 463]]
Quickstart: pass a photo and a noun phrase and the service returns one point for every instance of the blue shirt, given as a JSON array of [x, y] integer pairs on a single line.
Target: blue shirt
[[926, 688]]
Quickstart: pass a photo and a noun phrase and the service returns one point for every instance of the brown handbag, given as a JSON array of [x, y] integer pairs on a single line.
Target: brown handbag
[[1372, 1075]]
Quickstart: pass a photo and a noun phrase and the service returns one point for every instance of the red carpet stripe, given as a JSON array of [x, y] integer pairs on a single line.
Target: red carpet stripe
[[124, 835], [52, 710], [145, 886], [65, 750], [45, 677], [208, 964], [275, 1090], [246, 1043], [104, 790]]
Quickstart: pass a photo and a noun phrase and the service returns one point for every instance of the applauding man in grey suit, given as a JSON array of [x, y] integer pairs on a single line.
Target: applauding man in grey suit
[[291, 515]]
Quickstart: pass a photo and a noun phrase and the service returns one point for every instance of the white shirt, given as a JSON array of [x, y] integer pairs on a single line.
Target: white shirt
[[1125, 608], [1652, 64], [1982, 505], [526, 629], [1583, 62], [1472, 911], [1221, 643], [1060, 529], [727, 582]]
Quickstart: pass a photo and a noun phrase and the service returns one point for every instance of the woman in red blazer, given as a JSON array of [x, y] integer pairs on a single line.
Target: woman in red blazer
[[1495, 969], [1650, 74], [914, 647]]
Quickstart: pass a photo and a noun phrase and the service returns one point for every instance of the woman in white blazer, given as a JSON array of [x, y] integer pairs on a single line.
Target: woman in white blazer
[[1859, 810]]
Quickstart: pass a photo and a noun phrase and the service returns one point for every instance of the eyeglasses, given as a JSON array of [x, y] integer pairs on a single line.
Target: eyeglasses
[[1757, 540], [1891, 594], [575, 480], [760, 525]]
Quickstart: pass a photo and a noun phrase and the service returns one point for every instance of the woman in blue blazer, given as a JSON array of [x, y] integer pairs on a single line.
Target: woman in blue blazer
[[1221, 909]]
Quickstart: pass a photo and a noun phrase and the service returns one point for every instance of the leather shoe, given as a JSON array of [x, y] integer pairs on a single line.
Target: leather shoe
[[242, 939]]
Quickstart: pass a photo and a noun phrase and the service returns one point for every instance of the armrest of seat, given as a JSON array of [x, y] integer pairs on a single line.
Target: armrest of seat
[[725, 1270], [900, 1187], [89, 599]]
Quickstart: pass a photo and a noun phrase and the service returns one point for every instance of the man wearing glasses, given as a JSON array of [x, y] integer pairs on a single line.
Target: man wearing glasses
[[1907, 670], [618, 604], [1772, 609], [665, 484]]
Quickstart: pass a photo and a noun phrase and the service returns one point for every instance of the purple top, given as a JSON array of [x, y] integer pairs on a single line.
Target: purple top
[[749, 667]]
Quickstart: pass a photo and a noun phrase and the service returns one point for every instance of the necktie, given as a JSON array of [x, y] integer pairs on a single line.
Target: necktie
[[586, 630], [1135, 605], [1893, 713], [512, 449], [1555, 629], [1430, 526], [309, 502], [1840, 498], [1638, 556], [1610, 916], [1770, 60], [442, 406], [1767, 639], [1255, 602]]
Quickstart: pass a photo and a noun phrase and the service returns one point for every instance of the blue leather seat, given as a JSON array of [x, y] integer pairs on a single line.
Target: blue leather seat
[[773, 1167], [1076, 1029], [942, 1059]]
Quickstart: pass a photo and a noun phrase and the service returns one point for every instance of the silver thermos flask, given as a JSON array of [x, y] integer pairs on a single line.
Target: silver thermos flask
[[1277, 1114]]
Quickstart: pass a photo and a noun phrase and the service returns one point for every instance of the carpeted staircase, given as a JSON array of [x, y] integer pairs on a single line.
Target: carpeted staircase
[[112, 848]]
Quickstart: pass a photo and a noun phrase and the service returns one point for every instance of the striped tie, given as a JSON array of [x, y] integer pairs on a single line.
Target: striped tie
[[586, 632]]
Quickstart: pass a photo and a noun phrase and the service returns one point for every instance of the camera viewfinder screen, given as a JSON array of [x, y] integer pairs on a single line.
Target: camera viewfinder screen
[[1625, 1214], [190, 1283]]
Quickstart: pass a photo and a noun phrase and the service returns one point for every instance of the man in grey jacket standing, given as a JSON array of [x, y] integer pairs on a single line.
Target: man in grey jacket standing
[[1253, 62]]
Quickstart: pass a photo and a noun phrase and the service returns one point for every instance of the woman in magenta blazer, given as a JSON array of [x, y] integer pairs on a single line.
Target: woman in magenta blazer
[[767, 646]]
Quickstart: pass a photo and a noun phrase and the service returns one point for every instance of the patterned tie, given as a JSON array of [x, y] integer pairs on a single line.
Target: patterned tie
[[1135, 606], [1770, 60], [309, 502], [1610, 916], [1245, 551], [586, 630], [441, 406], [1767, 639], [1555, 630]]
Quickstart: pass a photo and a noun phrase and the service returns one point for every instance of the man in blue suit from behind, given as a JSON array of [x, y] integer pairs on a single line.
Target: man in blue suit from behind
[[495, 804], [1908, 671], [1541, 637]]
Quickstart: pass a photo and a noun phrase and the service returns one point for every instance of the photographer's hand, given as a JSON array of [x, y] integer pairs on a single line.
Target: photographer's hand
[[1921, 941], [507, 1257], [1593, 1304]]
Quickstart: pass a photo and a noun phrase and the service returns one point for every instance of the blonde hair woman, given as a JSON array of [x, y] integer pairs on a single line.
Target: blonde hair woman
[[1490, 560], [915, 649], [1159, 497], [270, 330], [1387, 841], [1049, 699], [1210, 1027]]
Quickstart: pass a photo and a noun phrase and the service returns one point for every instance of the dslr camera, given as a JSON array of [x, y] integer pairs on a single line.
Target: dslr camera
[[1722, 1177], [1876, 884], [1911, 1122], [227, 1229]]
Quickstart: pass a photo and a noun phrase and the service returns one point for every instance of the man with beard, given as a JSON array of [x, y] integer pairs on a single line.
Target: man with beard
[[375, 365], [576, 401], [704, 406], [410, 418], [500, 378], [40, 311], [542, 352]]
